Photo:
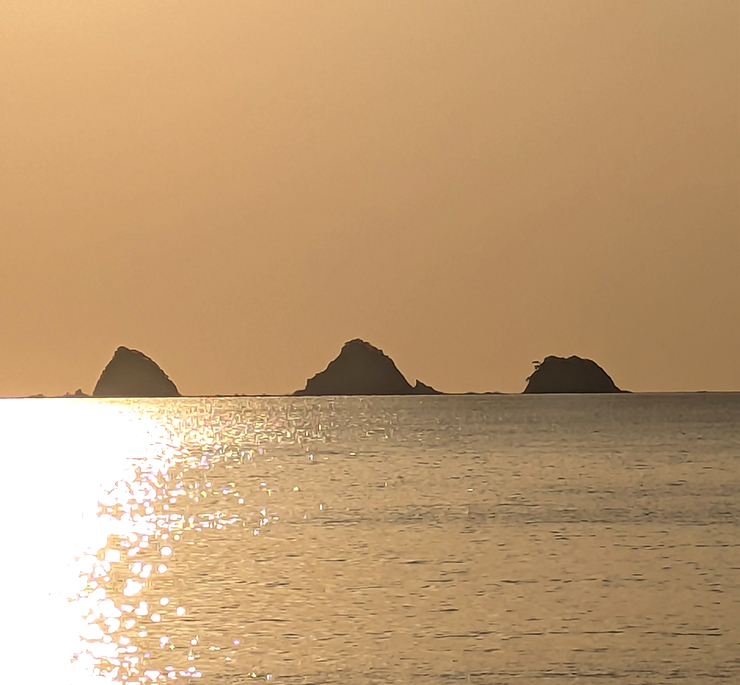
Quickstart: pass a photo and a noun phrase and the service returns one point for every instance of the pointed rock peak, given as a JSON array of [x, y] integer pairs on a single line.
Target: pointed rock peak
[[424, 389], [131, 373], [360, 369], [569, 375]]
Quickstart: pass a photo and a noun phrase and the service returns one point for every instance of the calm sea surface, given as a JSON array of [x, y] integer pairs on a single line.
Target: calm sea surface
[[490, 539]]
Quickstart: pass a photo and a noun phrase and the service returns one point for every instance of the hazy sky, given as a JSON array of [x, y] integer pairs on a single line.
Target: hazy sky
[[237, 187]]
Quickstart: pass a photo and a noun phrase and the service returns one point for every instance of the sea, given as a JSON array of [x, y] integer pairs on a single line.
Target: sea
[[435, 540]]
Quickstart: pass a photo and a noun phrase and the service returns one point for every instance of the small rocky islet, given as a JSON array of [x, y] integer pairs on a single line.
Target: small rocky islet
[[131, 373], [569, 375], [359, 369]]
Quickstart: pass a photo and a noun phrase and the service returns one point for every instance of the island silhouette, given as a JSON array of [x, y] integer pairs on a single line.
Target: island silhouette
[[571, 374], [131, 373], [362, 369]]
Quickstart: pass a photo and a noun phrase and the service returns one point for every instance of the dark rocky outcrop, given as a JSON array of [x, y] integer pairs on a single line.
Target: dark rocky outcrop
[[424, 389], [361, 369], [132, 374], [76, 393], [575, 375]]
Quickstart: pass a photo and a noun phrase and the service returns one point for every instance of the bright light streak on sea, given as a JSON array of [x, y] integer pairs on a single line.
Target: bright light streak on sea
[[365, 540]]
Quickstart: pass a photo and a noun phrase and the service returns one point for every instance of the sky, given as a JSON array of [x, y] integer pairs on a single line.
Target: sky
[[238, 187]]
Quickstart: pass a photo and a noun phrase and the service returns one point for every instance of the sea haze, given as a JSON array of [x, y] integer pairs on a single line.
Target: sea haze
[[481, 539]]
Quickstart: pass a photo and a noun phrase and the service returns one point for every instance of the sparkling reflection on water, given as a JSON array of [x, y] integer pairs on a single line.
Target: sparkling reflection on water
[[369, 540]]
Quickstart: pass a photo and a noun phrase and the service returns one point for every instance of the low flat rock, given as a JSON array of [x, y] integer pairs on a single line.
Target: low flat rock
[[362, 369], [131, 373], [571, 375]]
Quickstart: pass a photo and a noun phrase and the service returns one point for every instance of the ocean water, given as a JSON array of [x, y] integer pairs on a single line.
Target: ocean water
[[473, 539]]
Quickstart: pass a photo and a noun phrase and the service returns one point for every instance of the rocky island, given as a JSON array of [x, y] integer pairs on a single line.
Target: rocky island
[[131, 373], [571, 374], [362, 369]]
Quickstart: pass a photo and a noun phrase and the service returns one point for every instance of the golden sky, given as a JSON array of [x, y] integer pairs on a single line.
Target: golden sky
[[237, 187]]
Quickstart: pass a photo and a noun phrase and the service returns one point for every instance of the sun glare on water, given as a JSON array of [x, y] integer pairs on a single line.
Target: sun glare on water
[[76, 475]]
